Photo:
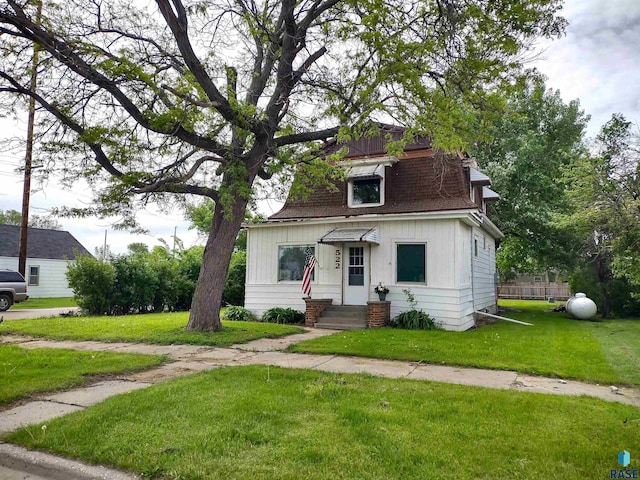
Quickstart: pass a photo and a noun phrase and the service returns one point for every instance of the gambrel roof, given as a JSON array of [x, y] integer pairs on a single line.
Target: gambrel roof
[[422, 179], [41, 243]]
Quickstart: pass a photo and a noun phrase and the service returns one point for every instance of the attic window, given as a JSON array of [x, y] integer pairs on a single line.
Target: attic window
[[366, 191], [366, 186]]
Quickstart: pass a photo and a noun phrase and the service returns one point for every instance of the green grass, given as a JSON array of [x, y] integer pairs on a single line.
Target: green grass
[[24, 372], [50, 302], [554, 346], [271, 423], [620, 341], [161, 328]]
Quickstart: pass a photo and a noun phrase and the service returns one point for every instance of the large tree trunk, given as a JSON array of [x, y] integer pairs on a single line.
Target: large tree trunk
[[207, 299]]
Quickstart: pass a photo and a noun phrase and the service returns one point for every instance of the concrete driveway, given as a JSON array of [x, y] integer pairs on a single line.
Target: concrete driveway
[[12, 314]]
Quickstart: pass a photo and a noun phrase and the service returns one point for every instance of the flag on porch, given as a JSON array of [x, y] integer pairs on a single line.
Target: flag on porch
[[309, 264]]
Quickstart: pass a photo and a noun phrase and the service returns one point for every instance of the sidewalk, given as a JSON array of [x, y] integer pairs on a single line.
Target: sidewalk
[[189, 359], [37, 312]]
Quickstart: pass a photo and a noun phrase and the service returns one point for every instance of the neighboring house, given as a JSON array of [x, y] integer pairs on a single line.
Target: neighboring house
[[414, 222], [48, 254]]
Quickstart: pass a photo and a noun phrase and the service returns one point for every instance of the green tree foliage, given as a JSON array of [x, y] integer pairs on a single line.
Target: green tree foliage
[[92, 284], [137, 282], [605, 192], [147, 281], [234, 287], [14, 217], [184, 98], [201, 216], [533, 144]]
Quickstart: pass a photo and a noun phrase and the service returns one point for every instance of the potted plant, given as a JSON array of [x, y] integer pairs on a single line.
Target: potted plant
[[382, 290]]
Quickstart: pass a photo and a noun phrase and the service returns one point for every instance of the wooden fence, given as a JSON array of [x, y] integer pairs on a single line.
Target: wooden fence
[[559, 291]]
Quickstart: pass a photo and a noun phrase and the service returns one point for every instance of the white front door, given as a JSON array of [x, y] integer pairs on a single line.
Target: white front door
[[356, 273]]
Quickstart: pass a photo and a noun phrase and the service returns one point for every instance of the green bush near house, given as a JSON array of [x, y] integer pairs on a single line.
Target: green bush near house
[[414, 320], [233, 293], [143, 281], [235, 313], [283, 315]]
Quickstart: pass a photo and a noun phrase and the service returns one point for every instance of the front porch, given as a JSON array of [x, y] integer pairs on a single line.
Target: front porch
[[321, 313]]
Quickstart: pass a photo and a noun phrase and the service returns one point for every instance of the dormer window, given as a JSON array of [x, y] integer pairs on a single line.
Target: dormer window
[[366, 183], [366, 191]]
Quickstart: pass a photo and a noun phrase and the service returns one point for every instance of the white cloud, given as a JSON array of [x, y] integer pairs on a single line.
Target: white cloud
[[598, 59]]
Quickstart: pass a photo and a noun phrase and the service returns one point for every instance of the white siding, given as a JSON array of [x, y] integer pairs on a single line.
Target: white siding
[[484, 268], [53, 282], [446, 294]]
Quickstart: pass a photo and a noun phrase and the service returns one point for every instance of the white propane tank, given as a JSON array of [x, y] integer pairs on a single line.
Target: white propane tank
[[581, 307]]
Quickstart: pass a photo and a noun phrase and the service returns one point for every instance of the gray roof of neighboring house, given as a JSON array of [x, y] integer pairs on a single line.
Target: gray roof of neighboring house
[[41, 243]]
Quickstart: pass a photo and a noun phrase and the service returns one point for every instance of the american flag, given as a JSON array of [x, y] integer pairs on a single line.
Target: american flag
[[309, 264]]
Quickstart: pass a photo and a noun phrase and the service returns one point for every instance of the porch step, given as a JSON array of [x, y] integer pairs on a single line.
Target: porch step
[[341, 324], [347, 311], [343, 317]]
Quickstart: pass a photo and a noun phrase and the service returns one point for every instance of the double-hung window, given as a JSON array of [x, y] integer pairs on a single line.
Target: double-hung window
[[291, 260], [34, 275]]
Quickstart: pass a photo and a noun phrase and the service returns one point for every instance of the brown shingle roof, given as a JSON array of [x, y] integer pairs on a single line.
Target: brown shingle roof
[[375, 146], [421, 181]]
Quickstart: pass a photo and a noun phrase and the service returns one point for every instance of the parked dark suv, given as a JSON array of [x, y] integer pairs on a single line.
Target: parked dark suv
[[13, 289]]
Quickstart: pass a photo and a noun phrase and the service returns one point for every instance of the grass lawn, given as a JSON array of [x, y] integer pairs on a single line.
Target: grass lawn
[[271, 423], [554, 346], [620, 341], [50, 302], [160, 328], [24, 371]]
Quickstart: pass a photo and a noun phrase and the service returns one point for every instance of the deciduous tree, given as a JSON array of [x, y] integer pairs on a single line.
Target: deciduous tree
[[533, 144], [202, 97]]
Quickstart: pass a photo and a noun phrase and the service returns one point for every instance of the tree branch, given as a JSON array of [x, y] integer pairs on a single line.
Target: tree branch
[[178, 25], [65, 53], [101, 157], [305, 137]]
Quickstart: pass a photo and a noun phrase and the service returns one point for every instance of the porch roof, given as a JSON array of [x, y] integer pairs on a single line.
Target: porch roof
[[346, 235]]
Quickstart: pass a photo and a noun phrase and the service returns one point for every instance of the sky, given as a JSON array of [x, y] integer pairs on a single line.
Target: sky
[[597, 62]]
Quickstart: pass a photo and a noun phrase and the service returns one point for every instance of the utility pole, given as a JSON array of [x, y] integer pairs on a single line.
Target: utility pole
[[175, 232], [26, 193]]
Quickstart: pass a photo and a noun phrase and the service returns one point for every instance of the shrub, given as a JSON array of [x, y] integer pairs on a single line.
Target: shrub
[[283, 315], [238, 314], [92, 284], [624, 299], [413, 319], [233, 293], [134, 285]]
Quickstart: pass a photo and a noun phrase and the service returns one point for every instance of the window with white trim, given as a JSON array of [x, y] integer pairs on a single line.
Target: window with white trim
[[366, 190], [291, 259], [411, 263], [34, 275]]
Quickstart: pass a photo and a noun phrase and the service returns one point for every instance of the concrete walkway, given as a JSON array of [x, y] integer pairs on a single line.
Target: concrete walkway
[[189, 359], [15, 314]]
